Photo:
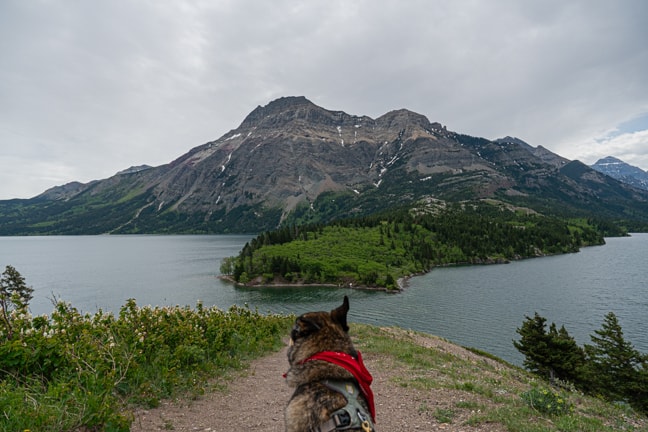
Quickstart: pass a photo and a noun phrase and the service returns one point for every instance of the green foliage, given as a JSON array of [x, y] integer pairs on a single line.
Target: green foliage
[[615, 369], [484, 393], [553, 355], [611, 367], [376, 251], [91, 212], [547, 401], [534, 344], [227, 266], [444, 415], [120, 209], [14, 301], [70, 370]]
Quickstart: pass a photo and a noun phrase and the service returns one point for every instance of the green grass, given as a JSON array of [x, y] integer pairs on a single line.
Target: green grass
[[488, 390], [443, 415]]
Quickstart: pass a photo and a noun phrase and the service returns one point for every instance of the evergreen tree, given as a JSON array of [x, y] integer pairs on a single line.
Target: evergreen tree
[[534, 344], [553, 354], [614, 368], [611, 367], [566, 357], [639, 389], [15, 295]]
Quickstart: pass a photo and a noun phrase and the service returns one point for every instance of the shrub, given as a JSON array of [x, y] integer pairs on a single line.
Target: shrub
[[71, 371], [546, 401]]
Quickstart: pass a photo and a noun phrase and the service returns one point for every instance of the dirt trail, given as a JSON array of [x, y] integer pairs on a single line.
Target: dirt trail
[[255, 401]]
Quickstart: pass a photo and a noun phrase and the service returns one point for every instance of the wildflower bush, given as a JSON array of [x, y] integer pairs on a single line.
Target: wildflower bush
[[68, 370], [547, 401]]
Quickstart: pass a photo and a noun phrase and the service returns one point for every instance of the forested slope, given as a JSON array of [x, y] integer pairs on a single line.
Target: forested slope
[[376, 251]]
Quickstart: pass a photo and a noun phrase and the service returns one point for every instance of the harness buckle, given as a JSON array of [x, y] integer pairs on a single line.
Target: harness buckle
[[342, 419], [364, 423]]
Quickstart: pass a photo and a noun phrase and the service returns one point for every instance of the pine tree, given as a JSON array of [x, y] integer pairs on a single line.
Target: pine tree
[[554, 354], [566, 357], [15, 295], [615, 369], [534, 344], [639, 389]]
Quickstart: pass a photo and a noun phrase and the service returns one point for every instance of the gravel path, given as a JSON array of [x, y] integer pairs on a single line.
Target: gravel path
[[255, 400]]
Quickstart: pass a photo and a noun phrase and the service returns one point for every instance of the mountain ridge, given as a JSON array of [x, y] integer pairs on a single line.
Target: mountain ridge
[[292, 161], [622, 171]]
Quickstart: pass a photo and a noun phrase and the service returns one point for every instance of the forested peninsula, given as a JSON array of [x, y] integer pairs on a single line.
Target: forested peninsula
[[379, 250]]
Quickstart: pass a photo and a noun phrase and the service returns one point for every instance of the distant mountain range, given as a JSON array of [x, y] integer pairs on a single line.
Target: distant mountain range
[[623, 172], [292, 161]]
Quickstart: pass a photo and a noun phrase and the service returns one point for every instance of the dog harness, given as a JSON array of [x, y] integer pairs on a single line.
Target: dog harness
[[352, 415]]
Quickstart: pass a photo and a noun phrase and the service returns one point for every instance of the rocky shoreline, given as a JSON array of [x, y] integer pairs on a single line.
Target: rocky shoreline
[[258, 283]]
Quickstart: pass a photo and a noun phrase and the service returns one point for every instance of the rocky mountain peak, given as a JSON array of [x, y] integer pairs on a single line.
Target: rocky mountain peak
[[514, 140], [609, 160], [298, 116], [134, 169], [545, 155], [65, 191], [399, 119], [622, 171], [284, 107]]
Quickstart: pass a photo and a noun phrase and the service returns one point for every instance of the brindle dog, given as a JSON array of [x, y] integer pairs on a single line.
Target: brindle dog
[[317, 404]]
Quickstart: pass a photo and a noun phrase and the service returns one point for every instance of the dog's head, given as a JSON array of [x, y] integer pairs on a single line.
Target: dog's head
[[315, 332]]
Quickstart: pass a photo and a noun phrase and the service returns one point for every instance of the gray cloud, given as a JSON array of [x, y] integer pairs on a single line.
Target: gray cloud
[[89, 88]]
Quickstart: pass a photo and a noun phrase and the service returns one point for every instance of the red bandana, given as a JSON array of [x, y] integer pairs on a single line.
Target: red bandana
[[356, 367]]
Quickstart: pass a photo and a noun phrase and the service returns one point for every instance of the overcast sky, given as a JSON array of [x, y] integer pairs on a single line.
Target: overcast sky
[[88, 88]]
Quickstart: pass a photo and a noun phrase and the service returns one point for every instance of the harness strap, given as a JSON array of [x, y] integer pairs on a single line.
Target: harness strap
[[331, 424], [339, 422], [355, 366], [352, 415]]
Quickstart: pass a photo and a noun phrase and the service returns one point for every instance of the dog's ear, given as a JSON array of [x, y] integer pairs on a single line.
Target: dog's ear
[[339, 315], [303, 327]]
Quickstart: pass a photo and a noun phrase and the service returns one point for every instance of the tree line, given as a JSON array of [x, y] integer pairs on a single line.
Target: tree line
[[376, 250], [609, 367]]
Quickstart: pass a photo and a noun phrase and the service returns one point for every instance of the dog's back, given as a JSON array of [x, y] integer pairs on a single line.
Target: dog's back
[[330, 381]]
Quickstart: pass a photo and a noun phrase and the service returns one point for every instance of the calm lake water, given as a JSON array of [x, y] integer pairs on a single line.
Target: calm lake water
[[478, 306]]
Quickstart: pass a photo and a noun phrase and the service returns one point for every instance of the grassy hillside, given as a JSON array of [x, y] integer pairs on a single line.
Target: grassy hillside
[[82, 372], [444, 386]]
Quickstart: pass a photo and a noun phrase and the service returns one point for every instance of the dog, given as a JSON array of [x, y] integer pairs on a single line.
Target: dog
[[332, 385]]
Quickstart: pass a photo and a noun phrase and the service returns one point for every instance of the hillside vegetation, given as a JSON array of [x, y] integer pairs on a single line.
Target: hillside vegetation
[[72, 371], [80, 372], [453, 388], [376, 251], [610, 367]]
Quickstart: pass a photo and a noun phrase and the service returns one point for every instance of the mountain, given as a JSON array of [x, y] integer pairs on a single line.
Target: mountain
[[542, 153], [623, 172], [292, 161]]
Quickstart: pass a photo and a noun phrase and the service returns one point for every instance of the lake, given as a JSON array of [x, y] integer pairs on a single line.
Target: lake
[[478, 306]]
